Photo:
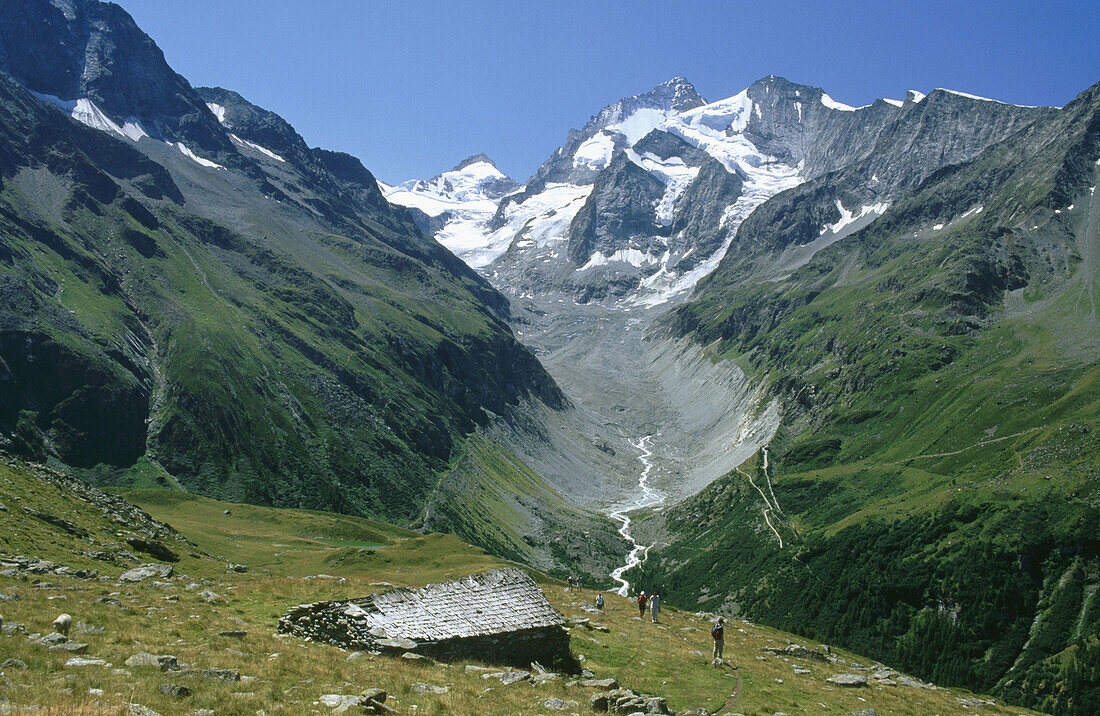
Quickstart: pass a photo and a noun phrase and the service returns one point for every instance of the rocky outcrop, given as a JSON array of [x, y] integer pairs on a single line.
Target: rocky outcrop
[[77, 49], [619, 213]]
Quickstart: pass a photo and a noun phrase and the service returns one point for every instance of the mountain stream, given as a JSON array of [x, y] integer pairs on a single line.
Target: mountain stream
[[648, 497]]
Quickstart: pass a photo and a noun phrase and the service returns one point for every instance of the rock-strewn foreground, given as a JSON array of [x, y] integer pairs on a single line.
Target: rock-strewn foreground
[[198, 635]]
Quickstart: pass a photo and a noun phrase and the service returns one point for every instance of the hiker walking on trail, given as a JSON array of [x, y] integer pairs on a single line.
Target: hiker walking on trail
[[717, 633], [599, 601], [654, 606], [641, 605]]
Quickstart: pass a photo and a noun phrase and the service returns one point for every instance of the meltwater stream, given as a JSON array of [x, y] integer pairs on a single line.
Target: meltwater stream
[[649, 497]]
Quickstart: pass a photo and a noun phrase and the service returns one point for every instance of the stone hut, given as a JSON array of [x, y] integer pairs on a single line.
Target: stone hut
[[500, 616]]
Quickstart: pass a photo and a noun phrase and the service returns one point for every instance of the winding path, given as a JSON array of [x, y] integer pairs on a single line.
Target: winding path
[[649, 497], [769, 507], [732, 700], [980, 443]]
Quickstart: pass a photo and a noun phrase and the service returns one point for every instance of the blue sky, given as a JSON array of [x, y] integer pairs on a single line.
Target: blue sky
[[412, 88]]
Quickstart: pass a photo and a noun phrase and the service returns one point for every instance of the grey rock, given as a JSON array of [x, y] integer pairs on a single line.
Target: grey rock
[[556, 704], [903, 680], [512, 677], [154, 549], [142, 658], [176, 691], [848, 680], [338, 702], [165, 662], [234, 634], [71, 647], [139, 710], [422, 688], [539, 679], [82, 628], [10, 597], [77, 662], [376, 695], [146, 571], [51, 639], [610, 684], [13, 664], [221, 674], [210, 596]]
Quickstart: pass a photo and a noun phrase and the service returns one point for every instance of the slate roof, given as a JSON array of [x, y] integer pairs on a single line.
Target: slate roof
[[493, 602]]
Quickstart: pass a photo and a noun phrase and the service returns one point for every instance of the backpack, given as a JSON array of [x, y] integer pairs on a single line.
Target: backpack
[[716, 631]]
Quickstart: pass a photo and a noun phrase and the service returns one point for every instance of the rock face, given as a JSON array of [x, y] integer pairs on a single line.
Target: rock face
[[105, 59], [500, 616]]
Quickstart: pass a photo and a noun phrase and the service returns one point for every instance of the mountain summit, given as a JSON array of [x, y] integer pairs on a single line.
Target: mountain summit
[[93, 55]]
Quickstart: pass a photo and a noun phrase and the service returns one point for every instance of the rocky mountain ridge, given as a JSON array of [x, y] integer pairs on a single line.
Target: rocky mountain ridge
[[620, 213]]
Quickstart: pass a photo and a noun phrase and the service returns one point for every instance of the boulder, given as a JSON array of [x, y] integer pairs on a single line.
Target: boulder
[[77, 662], [848, 680], [164, 662], [377, 695], [609, 684], [422, 688], [903, 680], [512, 677], [559, 704], [154, 549], [209, 596], [222, 675], [339, 702], [52, 639], [145, 571], [139, 710], [176, 691], [13, 664]]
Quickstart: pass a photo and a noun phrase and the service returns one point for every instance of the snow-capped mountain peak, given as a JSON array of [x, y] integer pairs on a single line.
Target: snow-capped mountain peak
[[456, 205]]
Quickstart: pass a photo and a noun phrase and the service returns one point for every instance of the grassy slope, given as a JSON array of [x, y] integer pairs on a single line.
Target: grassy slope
[[490, 498], [938, 467], [281, 546], [215, 339]]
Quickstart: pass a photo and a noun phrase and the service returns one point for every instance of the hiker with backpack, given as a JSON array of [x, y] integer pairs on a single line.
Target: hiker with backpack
[[718, 634], [641, 605], [599, 601]]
